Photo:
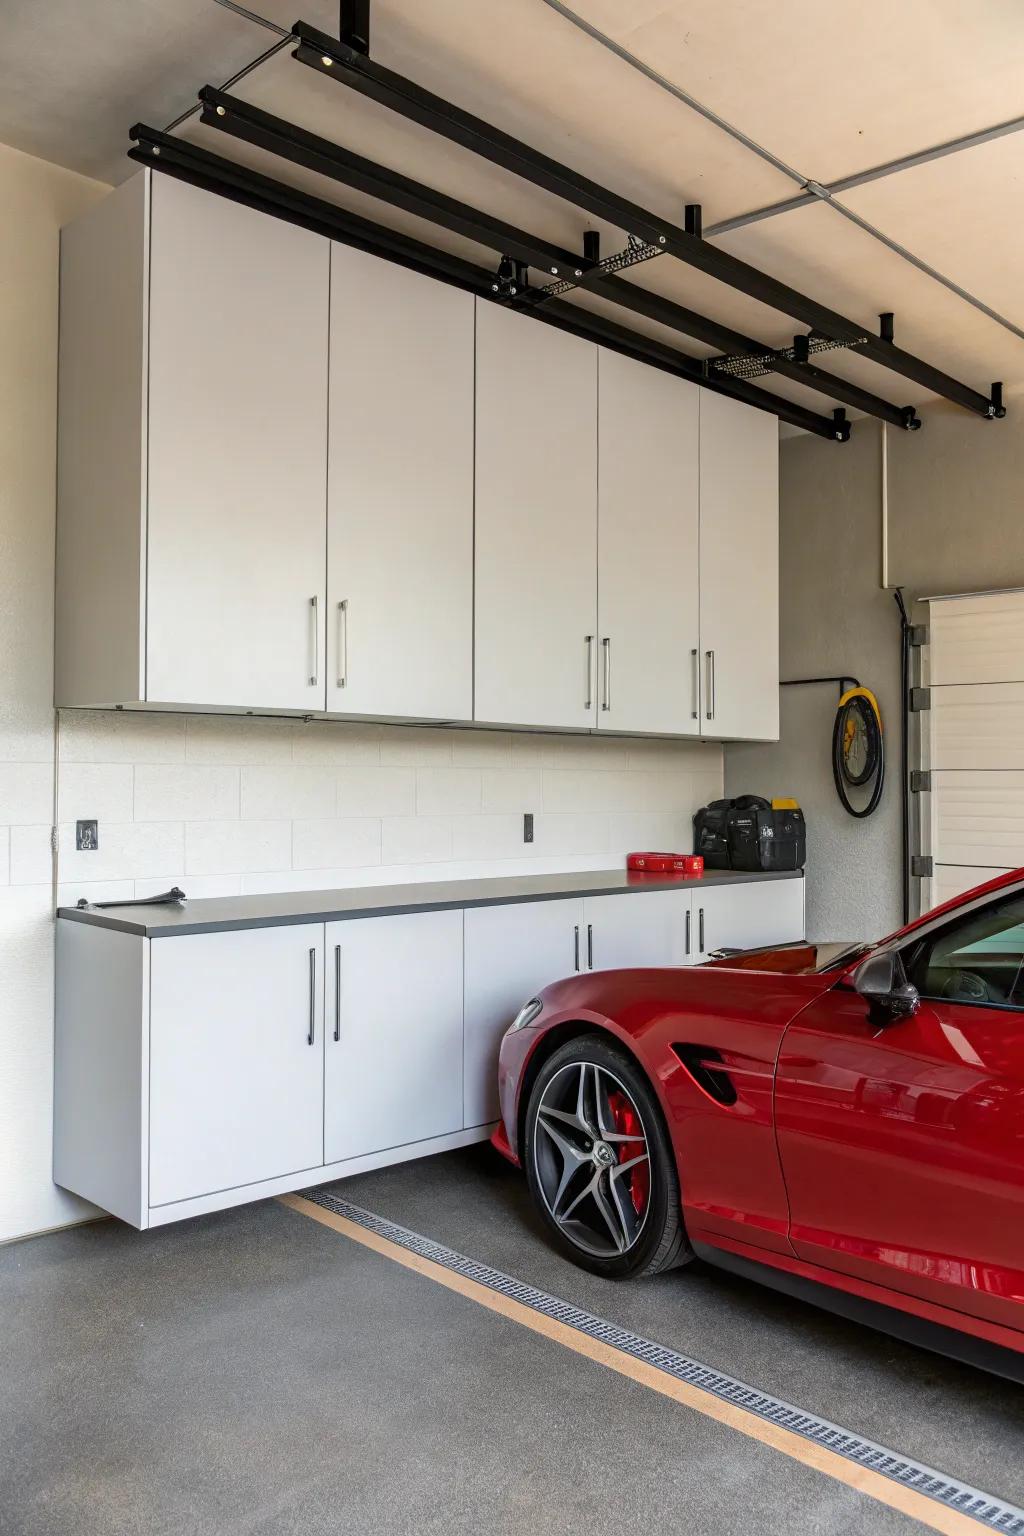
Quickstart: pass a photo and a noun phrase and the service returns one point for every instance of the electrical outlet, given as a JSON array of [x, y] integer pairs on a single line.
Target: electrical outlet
[[527, 826], [87, 836]]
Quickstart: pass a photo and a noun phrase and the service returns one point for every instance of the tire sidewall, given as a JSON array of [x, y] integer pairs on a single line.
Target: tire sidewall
[[664, 1192]]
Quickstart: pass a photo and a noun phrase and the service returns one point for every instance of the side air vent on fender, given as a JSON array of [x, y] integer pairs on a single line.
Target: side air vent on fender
[[703, 1063]]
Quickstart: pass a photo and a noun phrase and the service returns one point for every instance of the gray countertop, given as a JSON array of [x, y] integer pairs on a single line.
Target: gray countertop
[[219, 913]]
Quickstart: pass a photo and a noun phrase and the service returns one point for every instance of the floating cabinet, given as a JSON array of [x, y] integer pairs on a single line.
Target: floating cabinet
[[511, 952], [536, 523], [739, 570], [198, 1070], [647, 550], [393, 1041], [192, 455], [400, 493]]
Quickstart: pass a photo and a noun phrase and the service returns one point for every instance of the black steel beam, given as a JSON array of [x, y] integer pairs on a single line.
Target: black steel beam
[[333, 58], [188, 162], [251, 124]]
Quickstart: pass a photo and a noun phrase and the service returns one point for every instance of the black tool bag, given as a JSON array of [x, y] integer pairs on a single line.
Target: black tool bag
[[759, 838], [710, 838]]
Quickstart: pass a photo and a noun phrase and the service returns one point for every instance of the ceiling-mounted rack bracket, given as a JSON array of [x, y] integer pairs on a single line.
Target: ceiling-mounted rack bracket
[[354, 25], [632, 254]]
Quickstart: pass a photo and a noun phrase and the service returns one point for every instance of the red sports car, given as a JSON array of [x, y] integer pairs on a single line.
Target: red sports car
[[842, 1122]]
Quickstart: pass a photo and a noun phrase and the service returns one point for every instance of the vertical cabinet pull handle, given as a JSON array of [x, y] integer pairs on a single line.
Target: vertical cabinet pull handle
[[576, 947], [687, 932], [588, 686], [606, 646], [337, 991], [709, 662], [343, 643], [311, 1036], [695, 712], [314, 619], [590, 946], [700, 930]]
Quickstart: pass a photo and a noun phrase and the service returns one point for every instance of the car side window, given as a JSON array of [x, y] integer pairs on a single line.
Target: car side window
[[978, 958]]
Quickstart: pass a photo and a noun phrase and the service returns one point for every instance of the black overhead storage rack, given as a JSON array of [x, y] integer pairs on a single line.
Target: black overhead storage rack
[[346, 60]]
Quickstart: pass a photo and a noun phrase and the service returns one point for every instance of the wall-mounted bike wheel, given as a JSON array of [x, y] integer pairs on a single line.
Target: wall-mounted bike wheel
[[858, 753]]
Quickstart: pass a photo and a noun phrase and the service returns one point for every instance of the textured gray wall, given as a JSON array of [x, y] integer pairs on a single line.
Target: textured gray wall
[[835, 617], [955, 501]]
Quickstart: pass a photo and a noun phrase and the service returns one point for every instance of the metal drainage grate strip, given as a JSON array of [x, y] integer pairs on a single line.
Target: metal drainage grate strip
[[994, 1513]]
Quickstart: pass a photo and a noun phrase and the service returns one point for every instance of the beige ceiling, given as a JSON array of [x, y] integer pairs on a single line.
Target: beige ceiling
[[827, 90]]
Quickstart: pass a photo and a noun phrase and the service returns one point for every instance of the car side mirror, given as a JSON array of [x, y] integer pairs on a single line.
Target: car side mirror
[[882, 982]]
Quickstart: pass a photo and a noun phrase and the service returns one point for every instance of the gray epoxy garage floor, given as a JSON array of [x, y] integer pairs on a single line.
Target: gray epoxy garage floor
[[255, 1372]]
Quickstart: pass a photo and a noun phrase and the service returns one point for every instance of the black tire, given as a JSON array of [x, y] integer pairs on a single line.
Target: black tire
[[660, 1242]]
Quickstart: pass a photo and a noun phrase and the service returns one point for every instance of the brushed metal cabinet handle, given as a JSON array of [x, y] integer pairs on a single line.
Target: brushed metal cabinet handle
[[590, 946], [695, 712], [343, 643], [688, 932], [606, 646], [311, 1036], [588, 687], [314, 619], [700, 930], [576, 947], [337, 991], [709, 666]]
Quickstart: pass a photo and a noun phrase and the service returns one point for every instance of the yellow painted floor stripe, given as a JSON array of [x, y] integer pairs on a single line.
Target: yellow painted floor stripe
[[916, 1505]]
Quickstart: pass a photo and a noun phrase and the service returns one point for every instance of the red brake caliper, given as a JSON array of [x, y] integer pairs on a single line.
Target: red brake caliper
[[627, 1123]]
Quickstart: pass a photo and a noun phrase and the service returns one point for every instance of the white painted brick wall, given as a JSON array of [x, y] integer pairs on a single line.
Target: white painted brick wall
[[220, 805]]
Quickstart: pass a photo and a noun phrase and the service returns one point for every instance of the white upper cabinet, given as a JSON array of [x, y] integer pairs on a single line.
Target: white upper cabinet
[[295, 477], [739, 569], [237, 454], [400, 493], [647, 563], [193, 454], [536, 523]]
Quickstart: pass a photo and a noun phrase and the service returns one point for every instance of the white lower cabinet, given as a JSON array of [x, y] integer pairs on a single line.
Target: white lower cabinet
[[393, 1037], [198, 1071], [648, 928], [511, 952], [236, 1068], [747, 916]]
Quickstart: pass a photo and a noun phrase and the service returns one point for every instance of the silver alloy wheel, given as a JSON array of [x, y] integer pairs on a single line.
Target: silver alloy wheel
[[580, 1171]]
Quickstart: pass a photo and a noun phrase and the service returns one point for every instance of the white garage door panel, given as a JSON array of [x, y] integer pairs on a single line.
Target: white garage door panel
[[978, 727], [979, 818], [952, 880], [978, 639]]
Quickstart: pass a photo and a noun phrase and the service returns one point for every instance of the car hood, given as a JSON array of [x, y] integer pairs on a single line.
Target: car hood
[[794, 959]]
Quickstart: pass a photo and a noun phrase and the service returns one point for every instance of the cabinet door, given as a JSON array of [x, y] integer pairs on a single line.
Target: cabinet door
[[642, 928], [511, 952], [400, 499], [393, 1043], [748, 916], [647, 532], [536, 522], [739, 569], [236, 1059], [237, 455]]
